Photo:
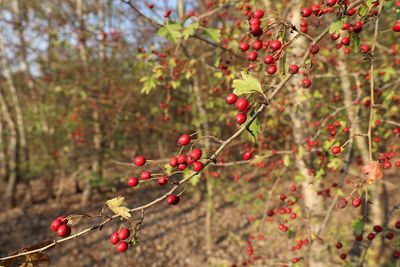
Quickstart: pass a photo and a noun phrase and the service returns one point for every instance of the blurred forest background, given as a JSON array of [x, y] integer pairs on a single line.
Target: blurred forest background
[[86, 86]]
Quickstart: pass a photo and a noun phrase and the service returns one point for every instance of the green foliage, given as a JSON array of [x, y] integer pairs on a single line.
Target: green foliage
[[190, 30], [336, 26], [171, 31], [214, 34], [254, 128], [149, 83], [247, 85], [357, 226]]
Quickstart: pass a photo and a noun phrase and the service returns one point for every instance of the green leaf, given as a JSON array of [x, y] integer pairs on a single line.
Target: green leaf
[[171, 31], [254, 128], [214, 34], [299, 178], [358, 226], [301, 151], [388, 73], [291, 233], [355, 42], [319, 174], [286, 160], [190, 30], [149, 83], [336, 27], [248, 84]]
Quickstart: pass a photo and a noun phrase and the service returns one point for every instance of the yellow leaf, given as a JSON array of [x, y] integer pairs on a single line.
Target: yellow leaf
[[115, 206]]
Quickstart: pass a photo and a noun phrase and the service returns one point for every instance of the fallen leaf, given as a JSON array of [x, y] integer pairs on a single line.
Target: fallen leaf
[[373, 171]]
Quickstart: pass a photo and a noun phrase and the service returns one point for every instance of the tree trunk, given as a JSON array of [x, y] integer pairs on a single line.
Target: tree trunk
[[210, 182], [11, 153]]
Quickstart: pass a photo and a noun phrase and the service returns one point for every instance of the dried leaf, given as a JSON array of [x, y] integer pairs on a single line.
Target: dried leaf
[[373, 171], [115, 206]]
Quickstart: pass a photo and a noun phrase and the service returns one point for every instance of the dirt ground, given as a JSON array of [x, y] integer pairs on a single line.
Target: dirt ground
[[170, 236]]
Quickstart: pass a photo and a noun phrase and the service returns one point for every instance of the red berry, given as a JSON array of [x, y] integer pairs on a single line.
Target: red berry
[[371, 236], [195, 154], [275, 45], [173, 162], [242, 104], [244, 46], [231, 99], [182, 166], [140, 161], [268, 59], [197, 166], [123, 233], [339, 245], [182, 158], [145, 175], [314, 49], [356, 202], [240, 118], [55, 225], [397, 225], [173, 199], [252, 56], [306, 12], [122, 246], [293, 69], [247, 155], [163, 180], [63, 231], [184, 139], [343, 256], [377, 228], [389, 235], [330, 2], [345, 41], [257, 45], [364, 48], [114, 239], [133, 181], [258, 13], [306, 83], [341, 203], [396, 26], [335, 36], [271, 69], [335, 150]]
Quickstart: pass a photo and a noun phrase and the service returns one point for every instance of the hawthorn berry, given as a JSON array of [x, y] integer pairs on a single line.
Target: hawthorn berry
[[133, 181], [364, 48], [184, 139], [371, 236], [173, 162], [163, 180], [397, 225], [335, 150], [356, 202], [258, 13], [306, 12], [268, 59], [123, 233], [173, 200], [145, 175], [389, 235], [182, 166], [55, 225], [197, 166], [343, 256], [275, 45], [64, 230], [257, 45], [242, 104], [271, 69], [252, 56], [231, 99], [330, 2], [122, 246], [345, 41], [396, 26], [114, 239], [341, 203], [314, 49], [335, 36], [182, 159], [195, 154], [140, 160], [240, 118], [293, 69], [306, 83], [244, 46], [339, 245], [247, 155]]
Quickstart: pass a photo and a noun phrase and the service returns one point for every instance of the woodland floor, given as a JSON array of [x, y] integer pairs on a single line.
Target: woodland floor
[[170, 236]]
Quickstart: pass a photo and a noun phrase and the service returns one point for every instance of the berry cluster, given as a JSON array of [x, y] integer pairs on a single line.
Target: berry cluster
[[241, 104], [120, 239], [61, 227]]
